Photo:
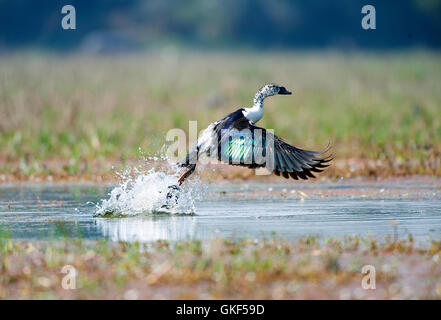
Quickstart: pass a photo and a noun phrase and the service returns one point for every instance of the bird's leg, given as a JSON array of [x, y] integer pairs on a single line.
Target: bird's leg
[[187, 174], [173, 190]]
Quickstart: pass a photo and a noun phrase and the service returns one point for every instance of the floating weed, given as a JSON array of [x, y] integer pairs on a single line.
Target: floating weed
[[435, 247], [332, 262], [309, 240]]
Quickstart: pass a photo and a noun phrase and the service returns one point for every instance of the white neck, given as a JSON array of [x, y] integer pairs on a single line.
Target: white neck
[[255, 113]]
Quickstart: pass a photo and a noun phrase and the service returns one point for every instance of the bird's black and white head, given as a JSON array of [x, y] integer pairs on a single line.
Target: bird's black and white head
[[255, 113], [269, 90]]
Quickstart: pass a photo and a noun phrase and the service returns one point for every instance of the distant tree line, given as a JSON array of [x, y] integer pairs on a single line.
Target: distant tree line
[[263, 24]]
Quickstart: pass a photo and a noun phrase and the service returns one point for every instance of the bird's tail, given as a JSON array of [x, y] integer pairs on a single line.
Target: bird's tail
[[190, 159]]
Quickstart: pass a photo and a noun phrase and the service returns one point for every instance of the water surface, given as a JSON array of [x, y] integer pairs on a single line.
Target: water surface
[[240, 210]]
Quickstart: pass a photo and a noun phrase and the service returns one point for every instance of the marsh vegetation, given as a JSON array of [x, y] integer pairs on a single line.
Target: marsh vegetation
[[79, 115]]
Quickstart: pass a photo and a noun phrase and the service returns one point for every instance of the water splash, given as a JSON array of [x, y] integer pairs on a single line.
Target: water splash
[[145, 192]]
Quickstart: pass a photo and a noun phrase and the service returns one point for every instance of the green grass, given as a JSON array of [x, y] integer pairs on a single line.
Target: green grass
[[307, 268], [81, 109]]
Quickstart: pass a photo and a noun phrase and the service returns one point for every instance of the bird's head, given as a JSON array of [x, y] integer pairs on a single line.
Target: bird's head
[[270, 90]]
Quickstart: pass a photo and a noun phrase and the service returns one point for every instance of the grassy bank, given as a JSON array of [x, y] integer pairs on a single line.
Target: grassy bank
[[248, 269], [80, 115]]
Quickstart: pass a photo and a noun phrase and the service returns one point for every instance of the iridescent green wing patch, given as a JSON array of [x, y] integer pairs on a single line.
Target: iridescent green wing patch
[[239, 147]]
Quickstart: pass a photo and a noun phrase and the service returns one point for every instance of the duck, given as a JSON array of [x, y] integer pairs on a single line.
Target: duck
[[237, 140]]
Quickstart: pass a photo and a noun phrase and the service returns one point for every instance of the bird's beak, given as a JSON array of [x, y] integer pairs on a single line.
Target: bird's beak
[[284, 91]]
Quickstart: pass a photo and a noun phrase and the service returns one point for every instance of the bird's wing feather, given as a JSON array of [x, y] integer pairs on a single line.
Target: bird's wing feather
[[242, 143], [245, 144]]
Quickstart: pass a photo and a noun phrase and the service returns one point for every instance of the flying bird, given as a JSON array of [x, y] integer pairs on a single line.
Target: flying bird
[[237, 140]]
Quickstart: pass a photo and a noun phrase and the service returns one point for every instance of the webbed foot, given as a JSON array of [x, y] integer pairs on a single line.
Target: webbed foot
[[172, 196]]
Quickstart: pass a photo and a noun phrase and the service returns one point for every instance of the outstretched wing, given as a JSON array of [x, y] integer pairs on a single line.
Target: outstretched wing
[[244, 144], [290, 161]]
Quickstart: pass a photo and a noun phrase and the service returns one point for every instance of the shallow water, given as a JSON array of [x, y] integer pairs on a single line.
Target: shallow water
[[288, 210]]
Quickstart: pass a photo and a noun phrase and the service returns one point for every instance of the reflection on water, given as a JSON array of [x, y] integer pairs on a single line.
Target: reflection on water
[[145, 229], [239, 210]]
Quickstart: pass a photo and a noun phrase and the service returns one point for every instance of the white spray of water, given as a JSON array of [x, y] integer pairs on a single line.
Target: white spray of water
[[145, 193]]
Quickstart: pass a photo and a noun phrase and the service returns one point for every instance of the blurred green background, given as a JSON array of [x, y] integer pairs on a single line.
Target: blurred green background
[[132, 70]]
